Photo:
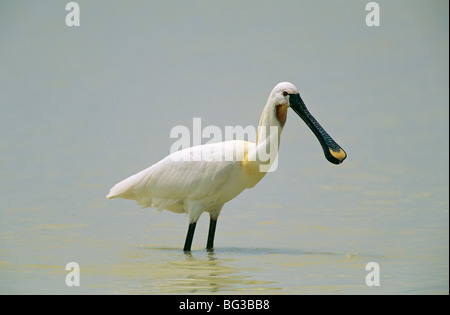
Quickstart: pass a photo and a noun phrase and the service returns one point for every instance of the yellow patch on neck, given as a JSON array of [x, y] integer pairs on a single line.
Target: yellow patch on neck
[[340, 155], [281, 111]]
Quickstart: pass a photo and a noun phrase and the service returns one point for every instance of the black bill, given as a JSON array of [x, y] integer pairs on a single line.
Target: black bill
[[333, 152]]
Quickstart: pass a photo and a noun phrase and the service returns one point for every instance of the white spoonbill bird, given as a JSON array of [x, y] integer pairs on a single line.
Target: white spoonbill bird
[[203, 178]]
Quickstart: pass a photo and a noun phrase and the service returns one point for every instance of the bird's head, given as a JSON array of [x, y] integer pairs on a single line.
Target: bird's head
[[285, 95]]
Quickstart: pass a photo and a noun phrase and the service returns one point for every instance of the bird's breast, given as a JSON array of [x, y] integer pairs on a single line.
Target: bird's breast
[[251, 173]]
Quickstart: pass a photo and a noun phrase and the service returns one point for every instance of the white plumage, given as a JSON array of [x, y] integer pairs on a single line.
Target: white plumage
[[203, 178], [203, 183]]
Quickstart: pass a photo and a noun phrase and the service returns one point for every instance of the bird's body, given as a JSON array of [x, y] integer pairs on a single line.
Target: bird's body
[[203, 178], [202, 183]]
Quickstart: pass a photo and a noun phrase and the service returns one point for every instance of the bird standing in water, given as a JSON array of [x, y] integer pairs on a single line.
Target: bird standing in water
[[203, 178]]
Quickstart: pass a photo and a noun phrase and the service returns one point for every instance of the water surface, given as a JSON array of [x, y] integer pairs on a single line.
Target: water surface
[[83, 108]]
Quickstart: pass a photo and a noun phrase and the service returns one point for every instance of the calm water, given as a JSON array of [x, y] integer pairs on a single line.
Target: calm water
[[82, 108]]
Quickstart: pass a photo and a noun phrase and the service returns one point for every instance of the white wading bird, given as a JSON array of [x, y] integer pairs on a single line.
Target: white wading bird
[[206, 181]]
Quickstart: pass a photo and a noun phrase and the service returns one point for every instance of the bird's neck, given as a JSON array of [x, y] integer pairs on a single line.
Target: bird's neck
[[265, 152]]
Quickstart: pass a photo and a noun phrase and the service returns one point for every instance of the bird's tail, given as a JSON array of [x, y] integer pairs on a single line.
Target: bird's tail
[[123, 189]]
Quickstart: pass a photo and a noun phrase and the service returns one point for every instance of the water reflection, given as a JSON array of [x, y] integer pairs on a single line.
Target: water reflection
[[151, 270], [169, 270]]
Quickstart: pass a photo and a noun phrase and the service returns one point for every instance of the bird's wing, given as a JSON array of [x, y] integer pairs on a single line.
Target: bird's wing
[[193, 173]]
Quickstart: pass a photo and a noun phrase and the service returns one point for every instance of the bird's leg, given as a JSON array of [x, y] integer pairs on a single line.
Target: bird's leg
[[212, 231], [189, 237]]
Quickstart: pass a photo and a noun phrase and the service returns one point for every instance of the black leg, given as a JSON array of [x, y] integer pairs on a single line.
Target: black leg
[[189, 237], [212, 231]]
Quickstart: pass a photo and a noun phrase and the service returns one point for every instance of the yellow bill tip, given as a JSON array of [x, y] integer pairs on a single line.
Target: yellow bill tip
[[339, 154]]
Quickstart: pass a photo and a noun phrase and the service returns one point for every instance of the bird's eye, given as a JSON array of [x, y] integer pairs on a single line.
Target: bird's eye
[[285, 93]]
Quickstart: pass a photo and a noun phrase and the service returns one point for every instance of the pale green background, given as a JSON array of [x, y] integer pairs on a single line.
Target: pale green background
[[84, 107]]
